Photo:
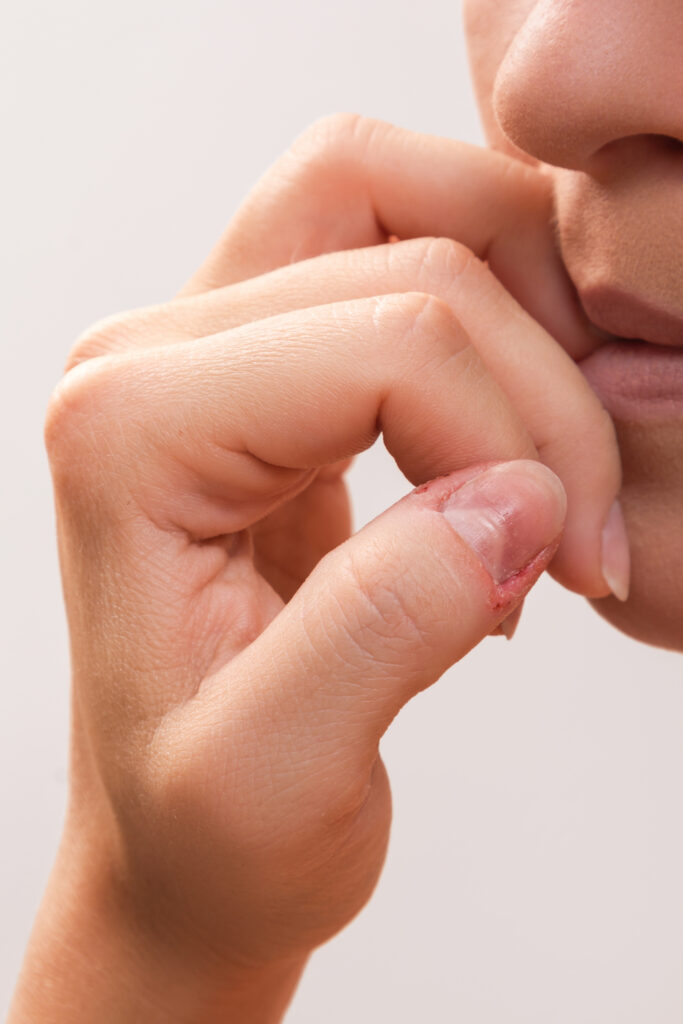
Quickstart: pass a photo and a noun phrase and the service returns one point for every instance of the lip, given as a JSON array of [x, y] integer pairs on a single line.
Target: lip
[[628, 316], [636, 380]]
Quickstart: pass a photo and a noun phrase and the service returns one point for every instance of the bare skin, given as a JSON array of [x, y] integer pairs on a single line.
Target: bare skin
[[236, 656], [556, 84]]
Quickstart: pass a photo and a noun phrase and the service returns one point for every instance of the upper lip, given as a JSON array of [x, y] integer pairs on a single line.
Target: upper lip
[[621, 315]]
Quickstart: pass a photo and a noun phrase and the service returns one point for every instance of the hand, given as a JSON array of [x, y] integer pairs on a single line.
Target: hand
[[236, 658]]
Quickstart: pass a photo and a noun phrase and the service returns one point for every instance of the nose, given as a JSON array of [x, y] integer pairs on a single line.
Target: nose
[[581, 74]]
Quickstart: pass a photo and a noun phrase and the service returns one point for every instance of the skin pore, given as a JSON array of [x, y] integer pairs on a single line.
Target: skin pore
[[556, 86]]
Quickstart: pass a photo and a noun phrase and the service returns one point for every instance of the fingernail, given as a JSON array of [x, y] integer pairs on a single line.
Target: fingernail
[[508, 627], [616, 557], [508, 514]]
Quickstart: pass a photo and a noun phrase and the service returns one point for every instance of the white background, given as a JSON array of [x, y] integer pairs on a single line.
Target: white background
[[534, 873]]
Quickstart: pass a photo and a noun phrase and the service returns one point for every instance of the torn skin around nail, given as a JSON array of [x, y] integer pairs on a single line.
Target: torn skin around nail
[[504, 596]]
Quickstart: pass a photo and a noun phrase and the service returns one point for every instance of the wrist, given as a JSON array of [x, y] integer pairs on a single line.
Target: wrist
[[89, 959]]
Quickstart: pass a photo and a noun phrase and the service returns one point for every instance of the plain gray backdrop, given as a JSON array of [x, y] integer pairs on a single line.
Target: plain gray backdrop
[[534, 873]]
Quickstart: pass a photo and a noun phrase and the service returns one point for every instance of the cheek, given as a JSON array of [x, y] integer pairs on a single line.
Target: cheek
[[652, 498]]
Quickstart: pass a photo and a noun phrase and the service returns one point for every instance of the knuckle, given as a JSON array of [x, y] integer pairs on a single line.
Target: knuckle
[[65, 411], [73, 417], [327, 133], [439, 261], [111, 334], [430, 314], [404, 311], [334, 144], [416, 324], [385, 620]]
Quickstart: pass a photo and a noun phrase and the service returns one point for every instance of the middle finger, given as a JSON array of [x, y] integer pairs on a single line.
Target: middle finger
[[571, 430]]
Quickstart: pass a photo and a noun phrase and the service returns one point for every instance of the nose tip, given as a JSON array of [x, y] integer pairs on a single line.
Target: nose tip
[[580, 75]]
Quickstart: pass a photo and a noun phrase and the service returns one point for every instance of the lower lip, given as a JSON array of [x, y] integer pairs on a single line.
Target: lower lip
[[636, 380]]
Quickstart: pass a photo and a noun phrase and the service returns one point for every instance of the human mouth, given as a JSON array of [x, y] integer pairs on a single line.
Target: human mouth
[[621, 315], [637, 368], [637, 380]]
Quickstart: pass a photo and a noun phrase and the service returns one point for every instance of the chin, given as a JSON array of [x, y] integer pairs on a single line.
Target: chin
[[652, 499], [643, 619]]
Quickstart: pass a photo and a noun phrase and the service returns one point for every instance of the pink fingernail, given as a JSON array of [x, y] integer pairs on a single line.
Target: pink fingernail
[[508, 627], [616, 557], [508, 514]]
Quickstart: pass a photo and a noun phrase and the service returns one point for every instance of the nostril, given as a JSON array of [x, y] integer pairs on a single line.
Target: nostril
[[634, 151], [661, 143], [670, 143]]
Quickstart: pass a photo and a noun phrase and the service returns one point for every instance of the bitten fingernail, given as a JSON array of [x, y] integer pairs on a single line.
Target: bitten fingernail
[[508, 514], [508, 626]]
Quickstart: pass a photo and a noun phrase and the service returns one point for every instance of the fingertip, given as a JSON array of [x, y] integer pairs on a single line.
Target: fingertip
[[616, 556], [593, 558], [508, 515]]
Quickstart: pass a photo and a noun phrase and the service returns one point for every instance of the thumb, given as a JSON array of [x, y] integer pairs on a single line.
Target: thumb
[[386, 613]]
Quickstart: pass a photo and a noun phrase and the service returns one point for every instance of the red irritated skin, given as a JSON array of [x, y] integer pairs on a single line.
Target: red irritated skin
[[590, 94], [502, 524]]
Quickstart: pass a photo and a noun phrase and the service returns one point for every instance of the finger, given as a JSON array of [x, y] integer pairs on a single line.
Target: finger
[[570, 428], [383, 616], [350, 182], [211, 435]]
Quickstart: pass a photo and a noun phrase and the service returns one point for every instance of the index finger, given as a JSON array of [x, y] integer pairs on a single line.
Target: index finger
[[350, 182]]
